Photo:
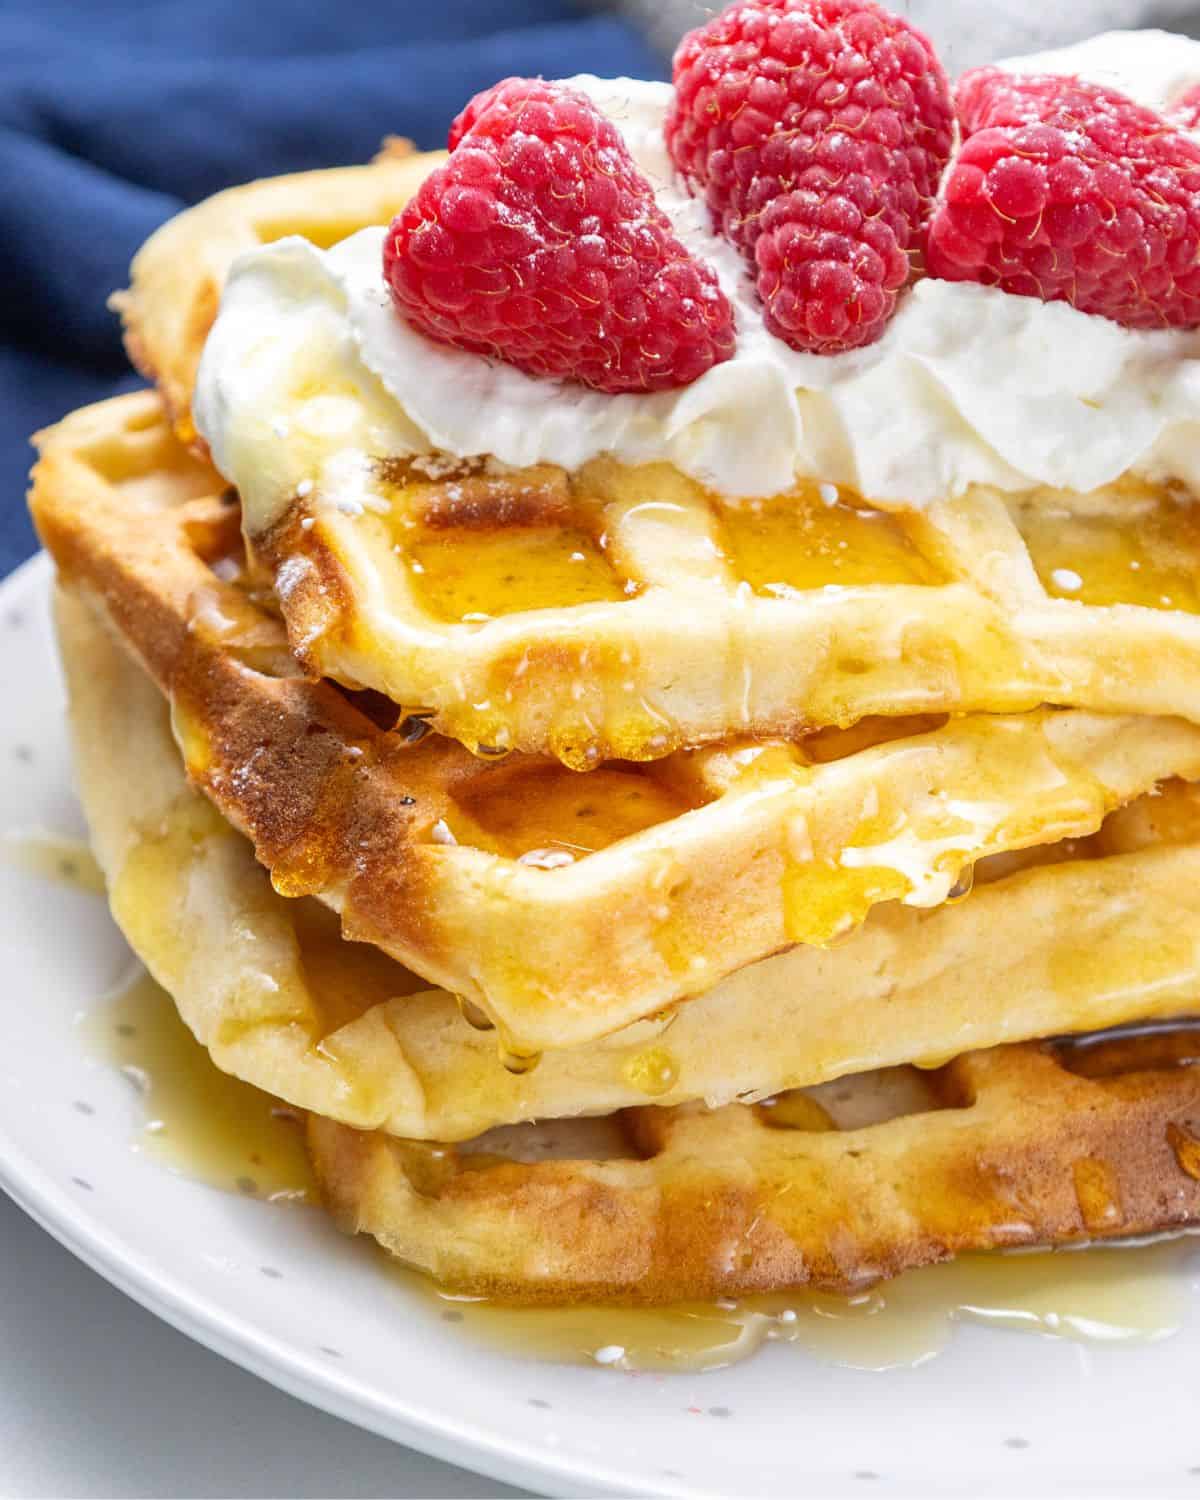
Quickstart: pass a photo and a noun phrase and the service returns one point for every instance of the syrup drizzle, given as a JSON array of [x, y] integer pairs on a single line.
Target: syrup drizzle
[[1142, 550], [799, 542], [197, 1121], [1101, 1295], [204, 1124], [469, 578], [53, 856]]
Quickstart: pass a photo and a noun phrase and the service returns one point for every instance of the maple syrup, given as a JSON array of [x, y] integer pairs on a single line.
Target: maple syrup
[[200, 1122], [54, 857], [542, 808], [798, 542], [652, 1072], [197, 1121], [923, 853], [1113, 1294], [1144, 551], [466, 575], [210, 1126]]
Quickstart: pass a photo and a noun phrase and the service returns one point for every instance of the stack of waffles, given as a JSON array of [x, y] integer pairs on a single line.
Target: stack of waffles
[[646, 894]]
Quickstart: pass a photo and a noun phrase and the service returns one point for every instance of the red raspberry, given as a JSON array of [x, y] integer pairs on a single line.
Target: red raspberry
[[818, 130], [508, 94], [539, 243], [1070, 192]]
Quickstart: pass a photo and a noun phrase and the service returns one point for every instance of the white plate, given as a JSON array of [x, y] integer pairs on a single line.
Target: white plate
[[997, 1414]]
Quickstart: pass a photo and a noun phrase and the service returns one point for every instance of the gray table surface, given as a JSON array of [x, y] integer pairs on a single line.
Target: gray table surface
[[100, 1398]]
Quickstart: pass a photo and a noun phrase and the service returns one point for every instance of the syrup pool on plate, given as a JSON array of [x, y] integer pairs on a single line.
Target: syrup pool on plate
[[207, 1125], [1099, 1295], [197, 1120], [54, 856]]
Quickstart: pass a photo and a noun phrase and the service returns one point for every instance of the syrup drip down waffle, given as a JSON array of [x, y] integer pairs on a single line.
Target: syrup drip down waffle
[[1083, 936], [565, 906], [1014, 1147], [651, 889], [621, 612], [833, 1187]]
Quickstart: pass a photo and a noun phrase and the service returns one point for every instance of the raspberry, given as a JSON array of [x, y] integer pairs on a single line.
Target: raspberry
[[539, 243], [1070, 192], [818, 130], [508, 94]]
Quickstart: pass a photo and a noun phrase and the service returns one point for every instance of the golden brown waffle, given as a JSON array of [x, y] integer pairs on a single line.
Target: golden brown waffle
[[834, 1187], [625, 613], [1019, 1146], [179, 273], [1097, 933], [565, 906]]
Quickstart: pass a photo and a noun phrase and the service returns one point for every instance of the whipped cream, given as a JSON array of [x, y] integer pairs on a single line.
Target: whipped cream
[[1154, 68], [968, 385]]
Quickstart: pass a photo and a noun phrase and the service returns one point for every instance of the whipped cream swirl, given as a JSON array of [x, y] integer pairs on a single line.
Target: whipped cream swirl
[[969, 385]]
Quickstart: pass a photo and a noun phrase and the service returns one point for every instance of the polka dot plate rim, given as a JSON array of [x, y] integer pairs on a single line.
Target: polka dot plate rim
[[280, 1293]]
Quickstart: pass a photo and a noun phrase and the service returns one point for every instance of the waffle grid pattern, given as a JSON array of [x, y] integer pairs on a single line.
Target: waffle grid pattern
[[1024, 1151], [685, 648], [737, 851], [1088, 935], [833, 1187]]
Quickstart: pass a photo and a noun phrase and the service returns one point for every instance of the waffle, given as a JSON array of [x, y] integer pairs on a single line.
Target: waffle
[[625, 613], [834, 1187], [1092, 935], [1018, 1146], [180, 271], [565, 907]]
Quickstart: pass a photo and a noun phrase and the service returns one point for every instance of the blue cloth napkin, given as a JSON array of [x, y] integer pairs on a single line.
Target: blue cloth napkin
[[116, 113]]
